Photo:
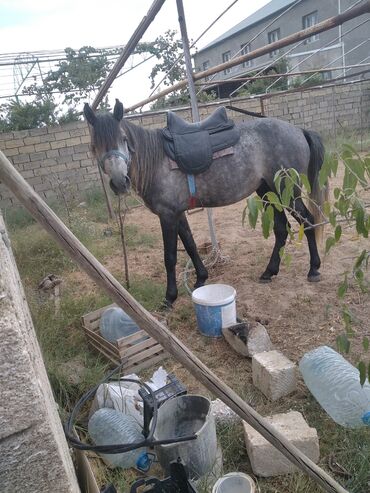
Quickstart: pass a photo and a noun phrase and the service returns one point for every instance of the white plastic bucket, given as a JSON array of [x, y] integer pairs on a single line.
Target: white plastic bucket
[[214, 308], [235, 482]]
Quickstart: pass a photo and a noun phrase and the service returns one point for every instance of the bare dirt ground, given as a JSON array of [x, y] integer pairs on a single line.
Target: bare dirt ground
[[298, 315]]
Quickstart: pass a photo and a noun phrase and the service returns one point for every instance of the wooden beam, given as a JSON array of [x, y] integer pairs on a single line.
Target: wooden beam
[[103, 278], [337, 20], [127, 50], [276, 76]]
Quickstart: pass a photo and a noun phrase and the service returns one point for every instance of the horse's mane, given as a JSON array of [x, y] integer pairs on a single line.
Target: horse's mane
[[147, 150], [145, 146]]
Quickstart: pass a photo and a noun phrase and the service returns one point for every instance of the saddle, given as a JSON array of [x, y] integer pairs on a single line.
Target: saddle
[[192, 145]]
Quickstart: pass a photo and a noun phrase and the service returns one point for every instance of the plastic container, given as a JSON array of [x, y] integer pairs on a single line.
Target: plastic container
[[184, 416], [110, 427], [214, 308], [335, 384], [115, 323], [234, 482]]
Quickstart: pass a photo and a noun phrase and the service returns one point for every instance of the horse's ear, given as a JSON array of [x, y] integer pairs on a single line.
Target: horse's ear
[[89, 114], [118, 110]]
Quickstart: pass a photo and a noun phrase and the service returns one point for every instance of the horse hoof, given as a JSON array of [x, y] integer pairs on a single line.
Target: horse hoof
[[165, 306], [264, 280], [198, 285], [314, 277]]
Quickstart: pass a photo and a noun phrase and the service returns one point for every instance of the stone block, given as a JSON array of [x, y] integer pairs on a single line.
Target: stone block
[[265, 459], [274, 374]]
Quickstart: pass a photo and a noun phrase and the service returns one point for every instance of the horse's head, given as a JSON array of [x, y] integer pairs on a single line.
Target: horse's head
[[110, 147]]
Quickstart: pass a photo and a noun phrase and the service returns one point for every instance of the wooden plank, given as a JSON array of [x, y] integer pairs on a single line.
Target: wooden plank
[[144, 354], [137, 348], [103, 343], [143, 365], [103, 278], [127, 341], [111, 357]]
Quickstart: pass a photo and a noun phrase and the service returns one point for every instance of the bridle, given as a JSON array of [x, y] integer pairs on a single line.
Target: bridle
[[122, 155]]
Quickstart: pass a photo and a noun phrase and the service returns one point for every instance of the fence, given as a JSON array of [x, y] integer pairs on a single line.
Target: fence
[[56, 160]]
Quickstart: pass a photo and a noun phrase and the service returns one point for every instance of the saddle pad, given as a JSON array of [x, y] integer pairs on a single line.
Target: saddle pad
[[216, 155]]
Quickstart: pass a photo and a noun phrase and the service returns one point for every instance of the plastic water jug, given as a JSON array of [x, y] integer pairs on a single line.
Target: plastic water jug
[[110, 427], [335, 384], [115, 323]]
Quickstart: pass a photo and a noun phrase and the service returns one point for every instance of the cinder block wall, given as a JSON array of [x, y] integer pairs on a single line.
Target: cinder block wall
[[34, 454], [57, 160]]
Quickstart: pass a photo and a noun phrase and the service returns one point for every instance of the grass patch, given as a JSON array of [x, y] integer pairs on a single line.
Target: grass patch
[[17, 218]]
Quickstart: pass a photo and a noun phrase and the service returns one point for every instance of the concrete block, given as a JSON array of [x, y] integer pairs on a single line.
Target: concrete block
[[247, 339], [265, 459], [274, 374]]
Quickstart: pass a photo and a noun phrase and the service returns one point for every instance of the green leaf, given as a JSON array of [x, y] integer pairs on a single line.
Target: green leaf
[[365, 343], [338, 233], [253, 211], [360, 216], [326, 208], [266, 221], [333, 219], [277, 181], [362, 369], [343, 343], [274, 199], [360, 259], [305, 182], [329, 243], [343, 288], [337, 192], [301, 232]]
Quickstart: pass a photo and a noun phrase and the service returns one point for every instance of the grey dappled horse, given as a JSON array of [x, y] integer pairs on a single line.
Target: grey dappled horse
[[130, 154]]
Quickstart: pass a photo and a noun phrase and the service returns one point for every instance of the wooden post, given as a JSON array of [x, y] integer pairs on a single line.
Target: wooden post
[[103, 278], [127, 50], [335, 21], [193, 100]]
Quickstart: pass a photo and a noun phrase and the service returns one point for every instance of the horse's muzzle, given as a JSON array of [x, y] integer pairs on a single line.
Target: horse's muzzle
[[122, 187]]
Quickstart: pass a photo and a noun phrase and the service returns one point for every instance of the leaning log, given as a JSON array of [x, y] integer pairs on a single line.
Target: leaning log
[[103, 278]]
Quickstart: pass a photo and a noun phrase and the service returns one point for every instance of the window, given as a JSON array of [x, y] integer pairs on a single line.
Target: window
[[272, 37], [246, 48], [225, 58], [206, 67], [309, 21]]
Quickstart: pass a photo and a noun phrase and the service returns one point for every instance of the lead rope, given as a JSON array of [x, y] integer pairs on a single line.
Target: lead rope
[[123, 241]]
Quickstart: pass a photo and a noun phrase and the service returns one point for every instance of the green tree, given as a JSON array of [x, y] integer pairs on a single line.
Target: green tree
[[350, 209], [21, 116]]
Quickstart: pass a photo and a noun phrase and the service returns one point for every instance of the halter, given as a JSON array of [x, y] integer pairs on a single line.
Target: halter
[[125, 156]]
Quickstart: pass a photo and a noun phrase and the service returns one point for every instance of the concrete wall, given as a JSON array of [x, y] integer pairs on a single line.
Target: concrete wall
[[34, 455], [57, 160]]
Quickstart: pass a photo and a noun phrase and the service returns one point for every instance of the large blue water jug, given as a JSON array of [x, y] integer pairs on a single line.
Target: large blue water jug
[[335, 384], [115, 323], [110, 427]]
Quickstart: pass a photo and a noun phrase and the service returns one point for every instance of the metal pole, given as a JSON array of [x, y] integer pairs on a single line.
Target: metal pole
[[193, 98]]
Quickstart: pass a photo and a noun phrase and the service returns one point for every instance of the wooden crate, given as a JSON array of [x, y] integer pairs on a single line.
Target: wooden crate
[[134, 355]]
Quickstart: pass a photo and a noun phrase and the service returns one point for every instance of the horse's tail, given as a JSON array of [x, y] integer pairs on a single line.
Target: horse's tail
[[318, 194]]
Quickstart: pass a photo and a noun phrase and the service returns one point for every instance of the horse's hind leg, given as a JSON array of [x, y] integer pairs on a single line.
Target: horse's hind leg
[[191, 249], [281, 233], [304, 216]]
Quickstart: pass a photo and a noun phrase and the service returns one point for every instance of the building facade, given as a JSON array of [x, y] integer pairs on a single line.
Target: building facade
[[341, 46]]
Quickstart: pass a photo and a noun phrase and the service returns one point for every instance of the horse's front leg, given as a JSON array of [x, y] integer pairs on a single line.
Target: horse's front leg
[[169, 225], [191, 249]]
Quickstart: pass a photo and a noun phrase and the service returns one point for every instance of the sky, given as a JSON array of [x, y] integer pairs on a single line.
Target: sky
[[33, 25]]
